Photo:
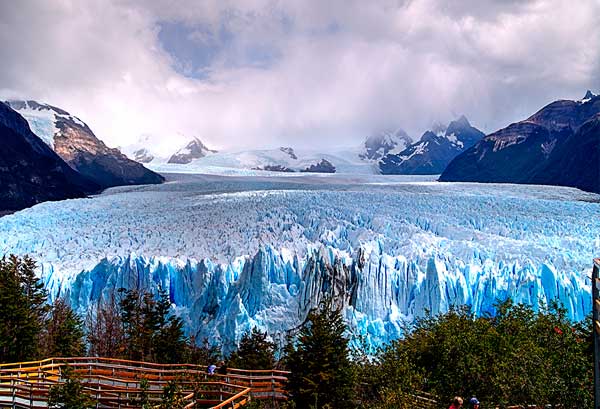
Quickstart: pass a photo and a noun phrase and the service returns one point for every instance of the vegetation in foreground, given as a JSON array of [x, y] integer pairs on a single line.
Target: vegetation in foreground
[[519, 356]]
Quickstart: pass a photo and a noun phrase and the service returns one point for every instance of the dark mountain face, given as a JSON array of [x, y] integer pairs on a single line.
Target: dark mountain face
[[75, 143], [576, 162], [30, 172], [432, 153], [193, 150], [378, 145], [324, 166], [544, 149]]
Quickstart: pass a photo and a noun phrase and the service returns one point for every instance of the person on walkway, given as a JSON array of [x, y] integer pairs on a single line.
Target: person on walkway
[[474, 403], [456, 403], [211, 369]]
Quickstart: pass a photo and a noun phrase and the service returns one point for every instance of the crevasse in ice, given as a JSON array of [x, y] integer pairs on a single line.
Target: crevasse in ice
[[236, 253]]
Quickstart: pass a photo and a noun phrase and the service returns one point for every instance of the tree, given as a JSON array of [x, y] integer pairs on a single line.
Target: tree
[[63, 336], [254, 352], [70, 394], [105, 333], [204, 354], [23, 306], [520, 356], [321, 373], [169, 342], [151, 333]]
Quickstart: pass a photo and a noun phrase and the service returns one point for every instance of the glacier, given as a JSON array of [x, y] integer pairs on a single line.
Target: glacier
[[241, 252]]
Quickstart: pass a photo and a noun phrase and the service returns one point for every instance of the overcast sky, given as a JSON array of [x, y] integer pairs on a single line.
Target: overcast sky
[[262, 73]]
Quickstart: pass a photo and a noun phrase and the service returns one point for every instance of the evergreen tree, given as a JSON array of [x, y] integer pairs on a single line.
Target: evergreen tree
[[169, 341], [321, 373], [63, 336], [23, 306], [204, 354], [70, 394], [151, 333], [254, 352]]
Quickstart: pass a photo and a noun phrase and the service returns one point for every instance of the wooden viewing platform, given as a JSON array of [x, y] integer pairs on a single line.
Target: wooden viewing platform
[[117, 383]]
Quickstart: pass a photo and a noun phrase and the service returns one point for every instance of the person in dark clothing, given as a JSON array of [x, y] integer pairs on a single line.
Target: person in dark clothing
[[474, 403], [222, 368]]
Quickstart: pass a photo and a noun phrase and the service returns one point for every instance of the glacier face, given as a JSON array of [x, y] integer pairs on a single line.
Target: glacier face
[[239, 252]]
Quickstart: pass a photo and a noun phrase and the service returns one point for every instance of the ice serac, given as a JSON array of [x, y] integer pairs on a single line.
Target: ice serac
[[73, 140], [274, 292], [558, 145], [242, 252]]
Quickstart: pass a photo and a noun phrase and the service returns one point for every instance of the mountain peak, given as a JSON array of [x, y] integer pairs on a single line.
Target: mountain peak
[[380, 144], [194, 149], [462, 121], [589, 95]]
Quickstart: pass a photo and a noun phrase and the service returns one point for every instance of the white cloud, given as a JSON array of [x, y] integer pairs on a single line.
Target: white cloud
[[332, 71]]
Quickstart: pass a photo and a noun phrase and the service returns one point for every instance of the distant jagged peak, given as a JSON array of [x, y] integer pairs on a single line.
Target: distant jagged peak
[[439, 128], [589, 95], [194, 149], [385, 142], [461, 121]]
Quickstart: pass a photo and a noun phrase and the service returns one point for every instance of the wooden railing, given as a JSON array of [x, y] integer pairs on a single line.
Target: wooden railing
[[121, 383]]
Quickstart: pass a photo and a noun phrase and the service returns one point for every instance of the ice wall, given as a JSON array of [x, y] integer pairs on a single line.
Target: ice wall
[[274, 290]]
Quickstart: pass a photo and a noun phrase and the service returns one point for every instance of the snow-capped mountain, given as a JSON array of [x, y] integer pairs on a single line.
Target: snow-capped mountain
[[76, 144], [30, 172], [194, 149], [380, 144], [142, 155], [535, 150], [286, 160], [432, 153]]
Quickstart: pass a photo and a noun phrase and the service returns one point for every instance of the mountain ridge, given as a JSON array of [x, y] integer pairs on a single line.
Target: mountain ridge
[[74, 141], [531, 151]]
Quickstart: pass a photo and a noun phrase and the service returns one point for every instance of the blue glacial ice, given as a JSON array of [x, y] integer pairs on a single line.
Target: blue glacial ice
[[242, 252]]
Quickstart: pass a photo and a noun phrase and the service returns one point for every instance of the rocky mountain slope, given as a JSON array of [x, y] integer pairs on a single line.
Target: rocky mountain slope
[[195, 149], [558, 145], [378, 145], [74, 142], [432, 153], [30, 172]]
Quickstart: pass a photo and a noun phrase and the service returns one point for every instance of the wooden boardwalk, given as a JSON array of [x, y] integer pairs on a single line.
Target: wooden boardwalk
[[116, 383]]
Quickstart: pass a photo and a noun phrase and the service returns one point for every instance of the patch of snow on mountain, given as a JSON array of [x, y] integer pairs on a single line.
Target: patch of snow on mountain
[[251, 162], [42, 123]]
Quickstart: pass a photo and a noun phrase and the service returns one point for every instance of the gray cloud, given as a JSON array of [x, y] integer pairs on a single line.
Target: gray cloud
[[267, 72]]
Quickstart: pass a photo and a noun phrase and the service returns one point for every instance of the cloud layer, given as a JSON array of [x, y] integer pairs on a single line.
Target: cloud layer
[[260, 73]]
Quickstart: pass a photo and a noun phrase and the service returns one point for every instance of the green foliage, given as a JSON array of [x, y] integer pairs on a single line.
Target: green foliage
[[171, 398], [23, 306], [321, 373], [150, 332], [70, 394], [204, 354], [63, 336], [254, 352], [518, 357]]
